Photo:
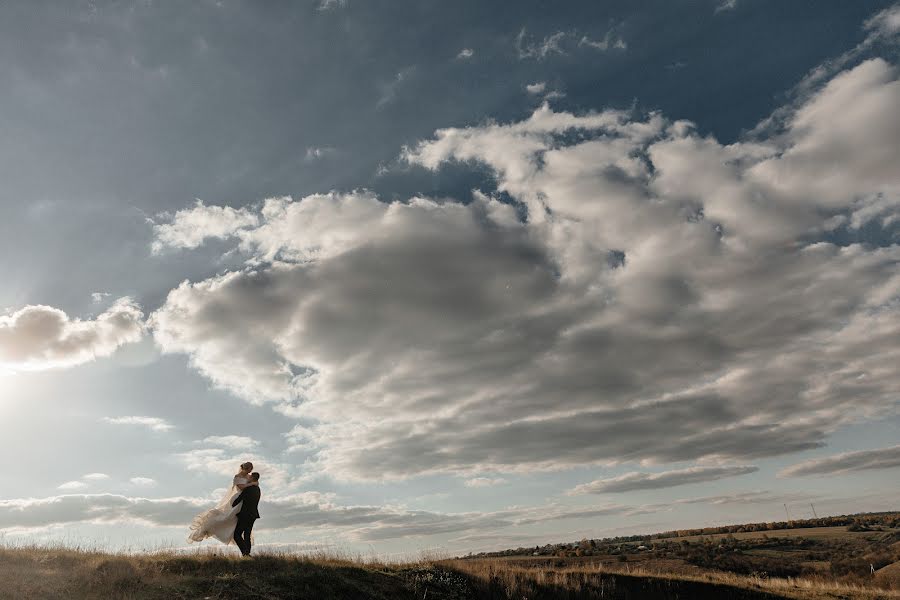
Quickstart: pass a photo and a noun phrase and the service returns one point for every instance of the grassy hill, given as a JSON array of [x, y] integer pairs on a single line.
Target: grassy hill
[[37, 573]]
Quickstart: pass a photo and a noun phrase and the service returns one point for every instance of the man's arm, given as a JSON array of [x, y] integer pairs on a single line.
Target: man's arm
[[238, 499]]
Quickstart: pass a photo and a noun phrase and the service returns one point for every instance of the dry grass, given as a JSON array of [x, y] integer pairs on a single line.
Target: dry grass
[[521, 580], [89, 574]]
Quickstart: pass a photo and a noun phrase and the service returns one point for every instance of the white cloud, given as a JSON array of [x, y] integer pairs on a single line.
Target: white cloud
[[191, 227], [143, 481], [309, 511], [554, 44], [885, 23], [315, 153], [236, 442], [650, 481], [752, 497], [72, 485], [465, 54], [477, 482], [331, 4], [98, 297], [389, 90], [153, 423], [881, 28], [301, 438], [863, 460], [539, 88], [610, 40], [669, 298], [41, 337], [275, 477], [540, 49], [96, 476], [726, 5]]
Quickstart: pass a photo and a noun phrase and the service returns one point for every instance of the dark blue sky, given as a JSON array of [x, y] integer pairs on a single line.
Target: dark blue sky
[[113, 110], [153, 104]]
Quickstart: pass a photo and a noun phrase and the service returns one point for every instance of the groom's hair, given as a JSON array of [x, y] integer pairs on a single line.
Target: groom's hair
[[254, 476]]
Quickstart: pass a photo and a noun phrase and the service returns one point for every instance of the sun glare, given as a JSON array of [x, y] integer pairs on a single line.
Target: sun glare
[[7, 388]]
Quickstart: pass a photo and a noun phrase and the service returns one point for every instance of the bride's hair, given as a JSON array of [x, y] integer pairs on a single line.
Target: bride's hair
[[247, 466]]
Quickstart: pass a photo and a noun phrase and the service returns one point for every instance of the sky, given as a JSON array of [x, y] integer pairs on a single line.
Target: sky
[[454, 276]]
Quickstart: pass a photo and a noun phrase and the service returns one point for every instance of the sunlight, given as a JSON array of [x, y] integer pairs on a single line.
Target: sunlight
[[8, 382]]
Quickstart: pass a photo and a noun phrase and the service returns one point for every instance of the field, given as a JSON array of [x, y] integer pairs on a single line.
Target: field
[[815, 563], [85, 575], [839, 532]]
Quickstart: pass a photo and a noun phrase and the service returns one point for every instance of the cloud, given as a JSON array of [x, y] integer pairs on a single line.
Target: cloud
[[75, 508], [84, 482], [309, 511], [726, 5], [72, 485], [651, 481], [465, 54], [540, 50], [753, 497], [189, 228], [610, 40], [315, 153], [39, 337], [546, 514], [863, 460], [540, 87], [477, 482], [325, 5], [152, 423], [666, 297], [237, 442], [885, 23], [277, 477], [882, 28], [143, 481], [98, 297], [555, 43], [388, 91]]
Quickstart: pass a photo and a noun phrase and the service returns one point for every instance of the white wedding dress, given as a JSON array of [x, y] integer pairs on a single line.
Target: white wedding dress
[[219, 522]]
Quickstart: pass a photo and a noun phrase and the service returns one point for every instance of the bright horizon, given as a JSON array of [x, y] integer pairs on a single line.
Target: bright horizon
[[454, 278]]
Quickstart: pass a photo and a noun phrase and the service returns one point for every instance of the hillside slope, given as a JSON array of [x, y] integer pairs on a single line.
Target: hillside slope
[[37, 573]]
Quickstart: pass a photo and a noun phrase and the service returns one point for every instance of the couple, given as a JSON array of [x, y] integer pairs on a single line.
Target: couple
[[233, 517]]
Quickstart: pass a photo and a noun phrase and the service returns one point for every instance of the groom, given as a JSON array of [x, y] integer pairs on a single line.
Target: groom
[[247, 515]]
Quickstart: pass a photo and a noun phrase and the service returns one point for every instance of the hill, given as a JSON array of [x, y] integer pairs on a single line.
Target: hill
[[831, 526], [39, 573]]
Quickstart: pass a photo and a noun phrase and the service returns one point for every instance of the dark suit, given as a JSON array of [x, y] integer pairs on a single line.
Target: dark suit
[[246, 517]]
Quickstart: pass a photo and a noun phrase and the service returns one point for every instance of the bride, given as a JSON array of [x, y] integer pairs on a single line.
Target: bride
[[219, 522]]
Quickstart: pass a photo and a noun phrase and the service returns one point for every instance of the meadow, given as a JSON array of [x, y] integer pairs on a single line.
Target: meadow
[[859, 558], [84, 574]]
